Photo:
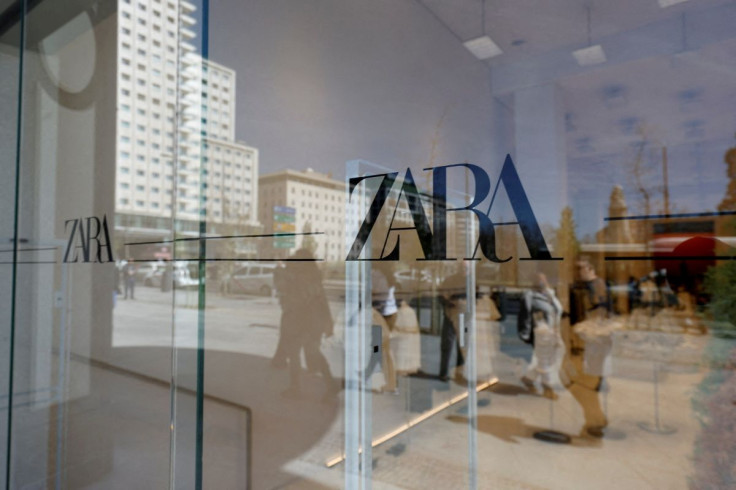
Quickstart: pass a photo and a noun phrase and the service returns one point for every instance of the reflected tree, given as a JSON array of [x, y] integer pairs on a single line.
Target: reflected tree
[[309, 241]]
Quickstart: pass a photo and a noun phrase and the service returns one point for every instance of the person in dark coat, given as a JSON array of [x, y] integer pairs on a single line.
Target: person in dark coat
[[453, 295], [306, 318], [280, 283], [129, 278]]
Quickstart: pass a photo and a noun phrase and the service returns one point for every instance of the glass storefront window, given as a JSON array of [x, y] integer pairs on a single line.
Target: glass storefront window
[[408, 244]]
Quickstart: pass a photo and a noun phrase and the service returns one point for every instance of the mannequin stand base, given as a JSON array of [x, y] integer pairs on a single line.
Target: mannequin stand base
[[656, 428], [552, 436], [613, 434]]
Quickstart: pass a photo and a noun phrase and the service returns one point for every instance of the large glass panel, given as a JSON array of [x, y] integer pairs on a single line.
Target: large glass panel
[[104, 386], [418, 244], [317, 90], [390, 357], [610, 115], [10, 62], [621, 125], [61, 414]]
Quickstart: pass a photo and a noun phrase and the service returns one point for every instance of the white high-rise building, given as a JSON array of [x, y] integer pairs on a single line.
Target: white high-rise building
[[231, 168], [218, 101], [176, 148], [232, 182]]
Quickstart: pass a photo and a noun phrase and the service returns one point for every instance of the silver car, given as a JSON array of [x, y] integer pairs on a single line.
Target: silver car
[[252, 278]]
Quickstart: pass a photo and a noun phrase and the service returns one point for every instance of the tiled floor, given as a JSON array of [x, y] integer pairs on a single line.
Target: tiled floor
[[116, 430]]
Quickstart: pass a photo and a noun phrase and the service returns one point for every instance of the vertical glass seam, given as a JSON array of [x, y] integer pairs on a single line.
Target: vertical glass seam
[[201, 272], [18, 141]]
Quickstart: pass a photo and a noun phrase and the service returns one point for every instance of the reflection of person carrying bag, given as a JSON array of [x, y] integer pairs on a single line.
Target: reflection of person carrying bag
[[539, 322], [309, 303], [548, 348], [306, 317], [322, 314]]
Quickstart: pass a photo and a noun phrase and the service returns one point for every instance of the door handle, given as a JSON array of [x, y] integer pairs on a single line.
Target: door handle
[[461, 329]]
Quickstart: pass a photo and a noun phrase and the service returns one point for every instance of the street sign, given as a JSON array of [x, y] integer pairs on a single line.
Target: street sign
[[287, 227], [283, 210], [284, 221], [284, 218]]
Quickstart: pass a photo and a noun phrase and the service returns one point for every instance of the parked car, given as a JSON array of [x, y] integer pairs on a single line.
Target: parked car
[[253, 278], [182, 276]]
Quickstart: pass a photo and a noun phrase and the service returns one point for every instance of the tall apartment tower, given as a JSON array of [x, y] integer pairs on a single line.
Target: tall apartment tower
[[231, 168], [176, 149]]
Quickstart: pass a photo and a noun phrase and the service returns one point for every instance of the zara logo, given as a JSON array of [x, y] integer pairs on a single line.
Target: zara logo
[[434, 240], [85, 242]]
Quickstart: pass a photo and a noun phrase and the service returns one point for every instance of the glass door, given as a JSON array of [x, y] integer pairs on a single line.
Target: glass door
[[11, 34], [410, 358], [102, 333]]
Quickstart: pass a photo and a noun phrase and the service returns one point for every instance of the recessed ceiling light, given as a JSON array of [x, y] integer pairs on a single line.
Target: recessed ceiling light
[[483, 47], [592, 55], [669, 3]]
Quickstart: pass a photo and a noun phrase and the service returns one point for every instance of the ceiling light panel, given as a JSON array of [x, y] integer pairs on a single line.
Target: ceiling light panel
[[592, 55], [483, 47], [669, 3]]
